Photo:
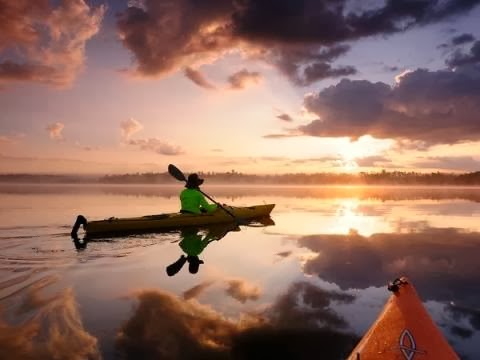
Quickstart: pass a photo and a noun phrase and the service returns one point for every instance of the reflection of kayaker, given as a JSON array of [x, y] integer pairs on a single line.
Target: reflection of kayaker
[[193, 243], [404, 330]]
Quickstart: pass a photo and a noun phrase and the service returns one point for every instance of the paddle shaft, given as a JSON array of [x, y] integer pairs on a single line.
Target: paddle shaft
[[219, 205]]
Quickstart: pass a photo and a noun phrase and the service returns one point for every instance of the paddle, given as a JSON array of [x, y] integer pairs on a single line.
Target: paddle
[[179, 175]]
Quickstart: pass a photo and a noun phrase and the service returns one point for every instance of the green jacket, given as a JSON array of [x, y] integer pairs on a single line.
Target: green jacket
[[193, 200], [193, 244]]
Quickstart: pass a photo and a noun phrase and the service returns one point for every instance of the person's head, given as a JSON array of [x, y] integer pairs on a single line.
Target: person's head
[[193, 181], [193, 264]]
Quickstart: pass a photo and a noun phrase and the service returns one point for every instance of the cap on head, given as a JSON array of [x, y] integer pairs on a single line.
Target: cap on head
[[193, 181]]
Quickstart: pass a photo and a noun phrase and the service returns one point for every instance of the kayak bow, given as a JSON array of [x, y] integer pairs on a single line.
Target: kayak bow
[[403, 331]]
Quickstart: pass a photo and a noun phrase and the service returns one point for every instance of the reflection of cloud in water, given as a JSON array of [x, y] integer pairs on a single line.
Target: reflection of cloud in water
[[242, 291], [442, 262], [165, 327], [54, 332], [300, 323], [472, 314], [195, 291]]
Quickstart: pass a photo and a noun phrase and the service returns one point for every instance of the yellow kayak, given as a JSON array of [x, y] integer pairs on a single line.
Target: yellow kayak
[[169, 221], [403, 331]]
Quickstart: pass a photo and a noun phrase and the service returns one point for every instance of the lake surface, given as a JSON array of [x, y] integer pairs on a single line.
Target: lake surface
[[311, 284]]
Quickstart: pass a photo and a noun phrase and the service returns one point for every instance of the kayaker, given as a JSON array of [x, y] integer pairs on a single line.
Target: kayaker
[[192, 200]]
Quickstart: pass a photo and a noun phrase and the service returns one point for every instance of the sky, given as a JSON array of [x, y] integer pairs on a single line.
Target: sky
[[254, 86]]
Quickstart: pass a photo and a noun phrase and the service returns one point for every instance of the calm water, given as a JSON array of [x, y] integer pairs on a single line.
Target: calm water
[[310, 284]]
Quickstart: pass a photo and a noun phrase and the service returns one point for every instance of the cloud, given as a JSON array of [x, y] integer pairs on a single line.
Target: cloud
[[55, 331], [11, 139], [391, 68], [428, 106], [130, 127], [48, 41], [320, 159], [431, 256], [198, 78], [332, 22], [285, 117], [463, 39], [298, 323], [242, 291], [156, 145], [300, 38], [243, 78], [306, 64], [55, 130], [464, 163], [459, 58], [371, 161], [284, 254]]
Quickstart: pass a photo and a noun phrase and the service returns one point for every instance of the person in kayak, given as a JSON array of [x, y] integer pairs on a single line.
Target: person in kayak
[[191, 198]]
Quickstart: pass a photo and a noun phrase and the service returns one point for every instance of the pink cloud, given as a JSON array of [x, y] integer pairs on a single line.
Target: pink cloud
[[130, 127], [49, 41], [55, 130]]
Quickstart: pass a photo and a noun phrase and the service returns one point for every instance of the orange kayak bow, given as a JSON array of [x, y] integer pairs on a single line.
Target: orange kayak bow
[[403, 331]]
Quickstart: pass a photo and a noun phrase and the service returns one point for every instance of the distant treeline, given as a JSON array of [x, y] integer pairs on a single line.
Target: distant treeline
[[377, 178], [363, 178], [47, 179]]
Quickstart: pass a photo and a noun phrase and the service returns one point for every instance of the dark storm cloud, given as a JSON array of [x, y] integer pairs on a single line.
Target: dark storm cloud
[[300, 38], [305, 64], [331, 21], [428, 106], [430, 257], [463, 39], [242, 78], [198, 78], [459, 58]]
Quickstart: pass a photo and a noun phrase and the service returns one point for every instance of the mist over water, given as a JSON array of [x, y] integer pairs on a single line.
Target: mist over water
[[312, 283]]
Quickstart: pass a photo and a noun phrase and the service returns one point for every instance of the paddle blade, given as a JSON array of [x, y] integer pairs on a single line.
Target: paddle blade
[[176, 173]]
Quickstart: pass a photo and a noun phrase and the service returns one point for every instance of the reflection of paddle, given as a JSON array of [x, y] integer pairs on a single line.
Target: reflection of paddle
[[179, 175], [174, 268]]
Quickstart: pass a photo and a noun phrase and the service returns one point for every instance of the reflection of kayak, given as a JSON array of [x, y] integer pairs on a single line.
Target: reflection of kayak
[[170, 221], [403, 330]]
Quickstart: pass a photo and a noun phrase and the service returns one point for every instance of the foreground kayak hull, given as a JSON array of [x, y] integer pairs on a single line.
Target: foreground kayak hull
[[403, 331], [174, 220]]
